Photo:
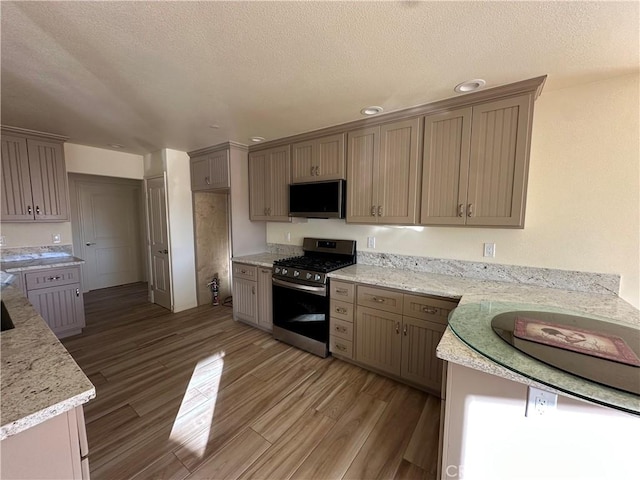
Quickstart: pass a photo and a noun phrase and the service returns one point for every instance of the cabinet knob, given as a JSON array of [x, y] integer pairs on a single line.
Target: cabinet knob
[[378, 299], [77, 292], [430, 310], [207, 180], [253, 290], [341, 310], [404, 330], [57, 277], [37, 210], [29, 209], [317, 171], [379, 210], [313, 171], [397, 327], [461, 210], [373, 210], [470, 210]]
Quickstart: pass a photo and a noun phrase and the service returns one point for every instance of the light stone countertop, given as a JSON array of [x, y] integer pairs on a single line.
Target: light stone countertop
[[469, 291], [39, 379], [11, 266]]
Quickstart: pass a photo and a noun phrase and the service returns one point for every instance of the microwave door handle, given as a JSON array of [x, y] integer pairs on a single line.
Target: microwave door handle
[[321, 291]]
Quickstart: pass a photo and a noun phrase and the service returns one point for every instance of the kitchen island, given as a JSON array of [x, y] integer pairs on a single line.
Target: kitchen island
[[43, 390]]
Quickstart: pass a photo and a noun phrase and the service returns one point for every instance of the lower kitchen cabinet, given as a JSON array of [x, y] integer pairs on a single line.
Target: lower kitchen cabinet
[[397, 334], [341, 319], [56, 294], [252, 295], [56, 448]]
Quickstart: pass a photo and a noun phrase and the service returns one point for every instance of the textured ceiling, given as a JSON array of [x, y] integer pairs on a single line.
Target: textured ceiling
[[150, 75]]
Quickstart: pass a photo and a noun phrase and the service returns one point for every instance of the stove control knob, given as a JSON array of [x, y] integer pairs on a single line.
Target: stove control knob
[[276, 270], [296, 273], [308, 276], [317, 277], [285, 271]]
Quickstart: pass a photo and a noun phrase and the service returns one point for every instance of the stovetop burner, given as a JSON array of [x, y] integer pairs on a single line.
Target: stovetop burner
[[318, 264]]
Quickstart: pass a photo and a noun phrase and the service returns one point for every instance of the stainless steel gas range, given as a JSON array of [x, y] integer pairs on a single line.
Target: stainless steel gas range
[[301, 293]]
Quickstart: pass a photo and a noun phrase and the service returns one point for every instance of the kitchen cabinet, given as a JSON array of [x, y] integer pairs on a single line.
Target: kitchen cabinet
[[341, 319], [269, 177], [210, 171], [383, 165], [252, 295], [34, 179], [475, 164], [397, 333], [56, 294], [318, 159], [56, 448]]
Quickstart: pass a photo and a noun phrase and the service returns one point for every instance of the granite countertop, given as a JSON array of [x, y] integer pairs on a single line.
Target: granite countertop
[[259, 259], [469, 291], [36, 263], [39, 379]]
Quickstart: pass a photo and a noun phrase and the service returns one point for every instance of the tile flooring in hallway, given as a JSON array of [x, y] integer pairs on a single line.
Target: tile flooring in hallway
[[196, 395]]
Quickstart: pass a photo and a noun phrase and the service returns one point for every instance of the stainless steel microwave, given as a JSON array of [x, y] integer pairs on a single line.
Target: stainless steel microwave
[[318, 199]]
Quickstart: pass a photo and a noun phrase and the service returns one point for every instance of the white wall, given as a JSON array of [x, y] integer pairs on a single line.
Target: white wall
[[181, 235], [100, 161], [78, 159], [583, 204]]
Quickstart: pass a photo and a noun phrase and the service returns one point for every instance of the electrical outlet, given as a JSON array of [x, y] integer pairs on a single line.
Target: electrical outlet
[[3, 241], [287, 237], [489, 250], [371, 242], [56, 238], [540, 402]]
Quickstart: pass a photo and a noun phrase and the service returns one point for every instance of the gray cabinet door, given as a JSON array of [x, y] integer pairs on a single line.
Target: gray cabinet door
[[258, 188], [378, 340], [48, 180], [303, 162], [200, 173], [318, 159], [17, 204], [279, 177], [419, 362], [61, 307], [445, 167], [362, 158], [210, 171], [500, 143], [245, 300]]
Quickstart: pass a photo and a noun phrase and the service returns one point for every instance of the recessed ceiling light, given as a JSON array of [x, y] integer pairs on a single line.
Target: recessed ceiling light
[[371, 110], [214, 125], [257, 139], [116, 145], [470, 85]]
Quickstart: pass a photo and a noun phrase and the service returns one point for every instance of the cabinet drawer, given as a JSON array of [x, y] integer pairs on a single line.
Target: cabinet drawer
[[387, 300], [242, 270], [341, 291], [340, 346], [427, 308], [342, 310], [52, 277], [341, 329]]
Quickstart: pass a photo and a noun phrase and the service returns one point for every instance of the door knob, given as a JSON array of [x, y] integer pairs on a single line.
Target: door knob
[[165, 251], [88, 244]]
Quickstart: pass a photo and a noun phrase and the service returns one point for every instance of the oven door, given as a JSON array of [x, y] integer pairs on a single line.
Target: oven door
[[301, 309]]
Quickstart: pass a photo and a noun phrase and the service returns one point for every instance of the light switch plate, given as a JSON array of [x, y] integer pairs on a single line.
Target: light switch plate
[[3, 241], [56, 238]]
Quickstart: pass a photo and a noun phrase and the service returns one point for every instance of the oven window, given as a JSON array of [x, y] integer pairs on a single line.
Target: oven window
[[301, 312]]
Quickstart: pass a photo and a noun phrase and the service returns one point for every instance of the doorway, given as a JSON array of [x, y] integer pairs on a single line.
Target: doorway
[[107, 229], [158, 239]]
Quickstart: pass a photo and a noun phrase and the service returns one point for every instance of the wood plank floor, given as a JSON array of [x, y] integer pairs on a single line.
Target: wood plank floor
[[195, 395]]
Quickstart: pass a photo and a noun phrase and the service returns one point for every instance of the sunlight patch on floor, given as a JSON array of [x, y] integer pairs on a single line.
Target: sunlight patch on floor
[[190, 419]]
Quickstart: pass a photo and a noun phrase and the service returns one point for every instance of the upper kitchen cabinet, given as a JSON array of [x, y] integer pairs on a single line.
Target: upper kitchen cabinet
[[383, 164], [476, 162], [34, 178], [269, 177], [318, 159], [210, 170]]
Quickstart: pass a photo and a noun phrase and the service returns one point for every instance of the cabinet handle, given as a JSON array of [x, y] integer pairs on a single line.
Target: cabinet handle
[[313, 171], [430, 310], [37, 210], [470, 210], [377, 299], [165, 251], [404, 330], [341, 329], [397, 327], [243, 271], [341, 347], [77, 292], [29, 209], [379, 210], [373, 211], [265, 211], [461, 210], [317, 171], [57, 277], [265, 271], [253, 290], [341, 310], [341, 291], [207, 180], [88, 244]]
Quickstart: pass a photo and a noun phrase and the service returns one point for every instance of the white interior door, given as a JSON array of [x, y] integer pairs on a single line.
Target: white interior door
[[109, 233], [160, 283]]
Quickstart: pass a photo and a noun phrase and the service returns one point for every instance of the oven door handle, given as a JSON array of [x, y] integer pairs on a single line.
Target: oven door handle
[[321, 291]]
